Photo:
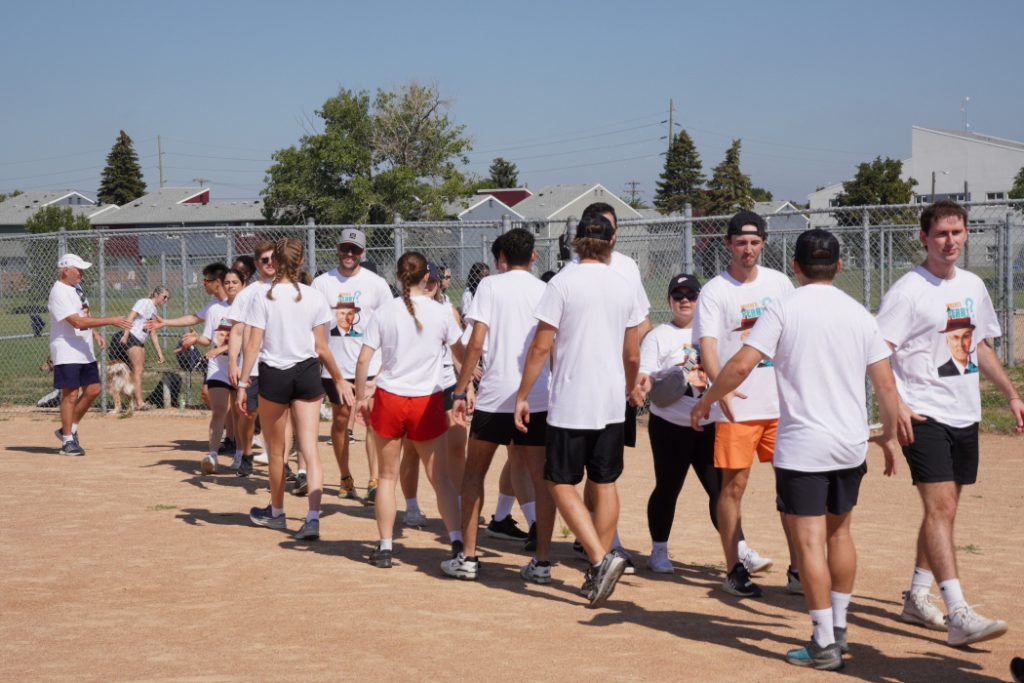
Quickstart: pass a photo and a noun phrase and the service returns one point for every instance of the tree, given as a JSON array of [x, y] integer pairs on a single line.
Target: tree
[[681, 181], [1017, 191], [43, 254], [8, 195], [394, 156], [877, 182], [759, 194], [52, 218], [503, 174], [121, 181], [729, 188]]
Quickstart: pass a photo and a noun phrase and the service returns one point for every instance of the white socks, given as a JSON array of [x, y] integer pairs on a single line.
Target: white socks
[[840, 605], [312, 515], [385, 544], [74, 427], [276, 512], [454, 536], [530, 512], [951, 592], [922, 580], [504, 507], [742, 548], [822, 621]]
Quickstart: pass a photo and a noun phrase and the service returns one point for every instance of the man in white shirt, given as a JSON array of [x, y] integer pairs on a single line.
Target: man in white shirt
[[938, 320], [594, 358], [747, 419], [821, 342], [75, 371]]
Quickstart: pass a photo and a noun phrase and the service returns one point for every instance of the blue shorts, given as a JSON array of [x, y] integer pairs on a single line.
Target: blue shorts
[[75, 375]]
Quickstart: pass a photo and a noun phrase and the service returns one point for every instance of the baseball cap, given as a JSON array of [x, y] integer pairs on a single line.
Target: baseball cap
[[353, 236], [595, 227], [433, 271], [682, 280], [73, 261], [743, 218], [816, 247]]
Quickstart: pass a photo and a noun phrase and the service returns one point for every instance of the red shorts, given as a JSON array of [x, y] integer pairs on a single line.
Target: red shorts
[[420, 418]]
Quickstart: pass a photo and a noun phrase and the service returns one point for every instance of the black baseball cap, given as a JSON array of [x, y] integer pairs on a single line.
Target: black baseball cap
[[744, 218], [683, 280], [595, 227], [816, 247]]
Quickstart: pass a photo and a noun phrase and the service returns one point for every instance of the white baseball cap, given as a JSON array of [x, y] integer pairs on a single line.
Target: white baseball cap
[[73, 261]]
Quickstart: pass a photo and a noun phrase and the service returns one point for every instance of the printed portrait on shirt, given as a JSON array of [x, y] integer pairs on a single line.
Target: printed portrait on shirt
[[749, 313], [696, 378], [346, 311], [959, 333], [222, 333]]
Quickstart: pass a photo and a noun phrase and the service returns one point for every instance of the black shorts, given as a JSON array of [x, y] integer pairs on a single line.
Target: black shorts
[[811, 494], [571, 451], [943, 453], [629, 427], [217, 384], [331, 389], [500, 428], [252, 395], [75, 375], [301, 382], [133, 342], [448, 400]]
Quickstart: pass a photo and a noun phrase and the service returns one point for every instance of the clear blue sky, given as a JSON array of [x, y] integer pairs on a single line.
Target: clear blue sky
[[569, 91]]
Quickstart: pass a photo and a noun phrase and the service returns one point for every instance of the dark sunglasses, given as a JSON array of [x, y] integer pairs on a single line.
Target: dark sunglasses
[[267, 259], [679, 296]]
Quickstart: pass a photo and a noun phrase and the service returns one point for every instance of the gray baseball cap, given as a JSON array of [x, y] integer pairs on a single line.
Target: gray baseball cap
[[353, 236]]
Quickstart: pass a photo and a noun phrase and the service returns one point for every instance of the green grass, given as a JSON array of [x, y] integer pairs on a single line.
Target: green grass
[[995, 417], [970, 549]]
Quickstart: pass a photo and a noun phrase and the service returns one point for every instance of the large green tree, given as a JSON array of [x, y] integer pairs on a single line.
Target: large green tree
[[682, 179], [1017, 191], [759, 194], [52, 218], [394, 155], [877, 182], [503, 174], [729, 189], [122, 181]]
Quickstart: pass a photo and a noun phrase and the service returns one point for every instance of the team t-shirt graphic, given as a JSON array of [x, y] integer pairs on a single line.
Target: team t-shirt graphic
[[688, 356], [749, 313], [959, 332], [346, 310]]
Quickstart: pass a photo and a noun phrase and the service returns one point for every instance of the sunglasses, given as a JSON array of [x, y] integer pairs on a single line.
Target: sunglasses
[[680, 296], [209, 279], [267, 259], [349, 249]]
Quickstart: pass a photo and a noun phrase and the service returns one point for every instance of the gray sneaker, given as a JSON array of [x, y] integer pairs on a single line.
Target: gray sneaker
[[812, 655], [72, 448], [606, 575], [839, 632], [265, 517], [309, 531], [535, 572]]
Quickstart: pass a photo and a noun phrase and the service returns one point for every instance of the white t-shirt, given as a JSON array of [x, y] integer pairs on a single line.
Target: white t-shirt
[[936, 326], [146, 309], [822, 342], [67, 344], [591, 305], [726, 311], [448, 376], [505, 303], [202, 312], [664, 346], [354, 301], [627, 268], [411, 358], [217, 328], [288, 324], [467, 299], [239, 313]]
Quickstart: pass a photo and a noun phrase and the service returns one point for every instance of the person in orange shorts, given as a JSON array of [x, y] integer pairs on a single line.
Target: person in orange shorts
[[746, 419]]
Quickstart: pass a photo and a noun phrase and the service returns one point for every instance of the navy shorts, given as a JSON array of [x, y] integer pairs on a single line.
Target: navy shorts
[[252, 395], [75, 375]]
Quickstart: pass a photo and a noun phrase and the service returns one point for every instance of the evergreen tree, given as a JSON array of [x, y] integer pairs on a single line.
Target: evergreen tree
[[681, 181], [122, 178], [503, 174], [759, 194], [729, 189]]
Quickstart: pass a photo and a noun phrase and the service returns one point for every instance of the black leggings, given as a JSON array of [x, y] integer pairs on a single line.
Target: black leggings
[[675, 450]]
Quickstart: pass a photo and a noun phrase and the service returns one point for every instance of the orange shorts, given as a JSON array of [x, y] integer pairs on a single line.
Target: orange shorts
[[736, 443], [420, 418]]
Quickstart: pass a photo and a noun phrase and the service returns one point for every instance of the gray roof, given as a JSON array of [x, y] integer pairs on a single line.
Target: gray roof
[[976, 137], [551, 198], [164, 207], [16, 210], [463, 204], [768, 208]]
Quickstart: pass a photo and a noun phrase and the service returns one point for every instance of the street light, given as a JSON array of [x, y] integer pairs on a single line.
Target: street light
[[933, 182]]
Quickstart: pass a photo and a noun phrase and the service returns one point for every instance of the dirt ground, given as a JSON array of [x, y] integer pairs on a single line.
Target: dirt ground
[[128, 564]]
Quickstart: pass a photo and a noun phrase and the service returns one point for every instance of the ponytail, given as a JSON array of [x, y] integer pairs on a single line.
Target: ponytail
[[288, 255], [412, 267]]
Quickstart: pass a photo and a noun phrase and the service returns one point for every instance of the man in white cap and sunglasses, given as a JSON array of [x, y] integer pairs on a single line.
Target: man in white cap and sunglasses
[[75, 372]]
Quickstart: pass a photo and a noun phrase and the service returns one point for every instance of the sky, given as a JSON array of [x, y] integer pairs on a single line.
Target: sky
[[571, 92]]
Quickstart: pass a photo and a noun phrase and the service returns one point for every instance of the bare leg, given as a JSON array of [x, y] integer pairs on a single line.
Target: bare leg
[[89, 394], [68, 398], [219, 399], [275, 418], [940, 504], [842, 554], [533, 456], [339, 437], [595, 534], [306, 416], [457, 437], [734, 483], [299, 456], [519, 475], [810, 532], [137, 357], [478, 461], [390, 454], [410, 471], [433, 453]]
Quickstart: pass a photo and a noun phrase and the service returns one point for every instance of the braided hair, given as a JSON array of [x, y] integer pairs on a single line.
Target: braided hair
[[288, 255], [412, 266]]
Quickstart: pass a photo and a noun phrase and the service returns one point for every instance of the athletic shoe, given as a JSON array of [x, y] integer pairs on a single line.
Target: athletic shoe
[[507, 529], [828, 658], [738, 583], [754, 562], [208, 464], [380, 558], [535, 572], [531, 539], [606, 575], [587, 589], [461, 567], [265, 517], [352, 437], [236, 462], [457, 549], [59, 433], [301, 485], [659, 563], [371, 492], [967, 626], [347, 489], [793, 582], [1017, 669], [245, 467], [919, 609], [71, 448], [309, 531], [839, 633], [581, 553], [288, 474], [630, 569], [227, 447], [257, 441], [414, 518], [262, 458]]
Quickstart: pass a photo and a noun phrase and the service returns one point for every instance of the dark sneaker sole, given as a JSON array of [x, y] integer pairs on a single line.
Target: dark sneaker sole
[[506, 536], [821, 665], [606, 586], [740, 593]]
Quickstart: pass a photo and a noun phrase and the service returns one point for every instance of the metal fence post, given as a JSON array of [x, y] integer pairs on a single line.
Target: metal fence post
[[484, 250], [163, 283], [687, 238], [785, 261], [62, 241], [881, 260], [866, 259], [398, 237], [230, 244], [102, 274], [184, 276], [311, 245], [462, 248], [1008, 289], [506, 223]]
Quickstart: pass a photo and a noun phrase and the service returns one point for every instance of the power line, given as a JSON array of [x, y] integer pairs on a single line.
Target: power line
[[594, 163], [558, 142]]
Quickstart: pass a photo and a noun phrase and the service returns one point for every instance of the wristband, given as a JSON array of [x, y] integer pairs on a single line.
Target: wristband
[[459, 397], [242, 385]]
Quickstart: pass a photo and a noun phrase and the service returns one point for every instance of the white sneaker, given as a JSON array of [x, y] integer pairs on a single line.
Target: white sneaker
[[659, 563], [918, 609], [754, 562], [209, 463], [461, 567], [967, 626], [415, 518], [536, 573], [262, 459]]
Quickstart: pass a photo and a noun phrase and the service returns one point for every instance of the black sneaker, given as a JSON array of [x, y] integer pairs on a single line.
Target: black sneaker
[[738, 583], [605, 576], [288, 474], [580, 552], [227, 447], [380, 558], [531, 539], [507, 529], [1017, 669], [457, 548], [352, 437], [72, 448], [301, 486], [587, 589], [245, 468], [793, 582]]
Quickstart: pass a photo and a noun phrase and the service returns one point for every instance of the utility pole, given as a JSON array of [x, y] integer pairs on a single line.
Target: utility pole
[[160, 160], [633, 192], [670, 131], [202, 181]]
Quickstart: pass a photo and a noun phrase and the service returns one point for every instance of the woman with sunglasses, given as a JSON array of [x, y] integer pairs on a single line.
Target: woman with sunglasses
[[134, 340]]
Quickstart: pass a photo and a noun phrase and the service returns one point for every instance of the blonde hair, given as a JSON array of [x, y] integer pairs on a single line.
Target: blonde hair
[[593, 248], [412, 266], [288, 253]]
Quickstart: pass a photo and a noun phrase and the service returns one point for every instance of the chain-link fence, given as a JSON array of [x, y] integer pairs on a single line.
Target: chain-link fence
[[879, 245]]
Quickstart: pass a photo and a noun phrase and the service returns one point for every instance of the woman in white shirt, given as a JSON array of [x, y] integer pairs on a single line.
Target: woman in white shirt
[[288, 333], [216, 334], [134, 340], [411, 332]]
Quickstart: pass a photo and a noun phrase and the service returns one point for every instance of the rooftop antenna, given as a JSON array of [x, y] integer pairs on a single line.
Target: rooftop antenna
[[963, 114]]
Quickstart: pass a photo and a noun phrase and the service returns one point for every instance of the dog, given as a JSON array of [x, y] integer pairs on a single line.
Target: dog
[[119, 382]]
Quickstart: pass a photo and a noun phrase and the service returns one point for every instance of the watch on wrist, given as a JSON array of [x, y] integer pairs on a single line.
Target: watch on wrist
[[459, 397]]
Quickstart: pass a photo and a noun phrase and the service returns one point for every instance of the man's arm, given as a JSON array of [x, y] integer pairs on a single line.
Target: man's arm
[[631, 356], [730, 377], [235, 339], [184, 321], [712, 366], [88, 322], [993, 371], [884, 383], [540, 349]]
